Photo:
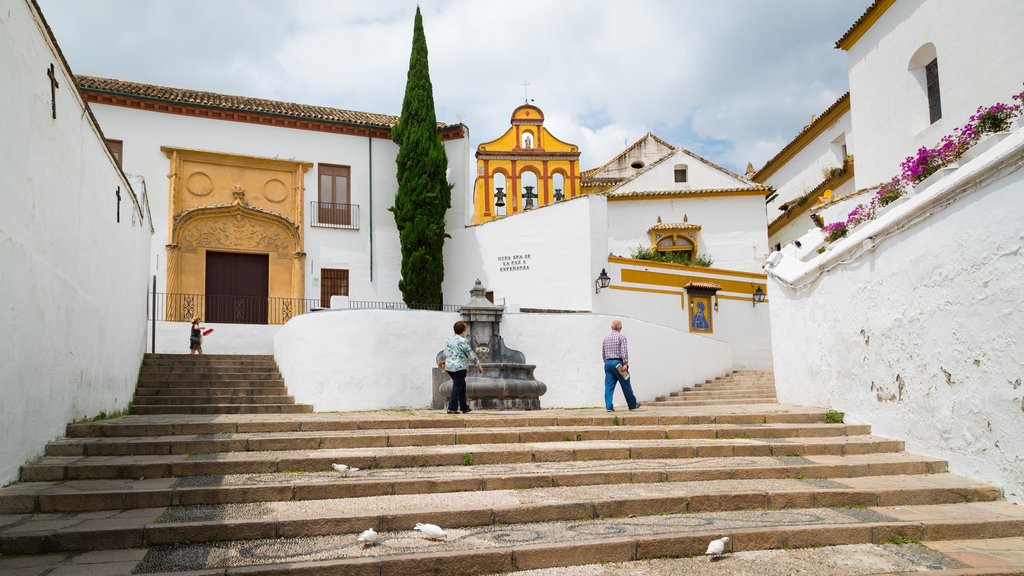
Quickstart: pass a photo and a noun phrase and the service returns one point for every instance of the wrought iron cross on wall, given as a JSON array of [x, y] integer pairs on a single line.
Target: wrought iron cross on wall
[[53, 90]]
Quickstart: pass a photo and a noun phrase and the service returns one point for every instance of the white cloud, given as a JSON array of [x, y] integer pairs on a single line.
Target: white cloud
[[730, 79]]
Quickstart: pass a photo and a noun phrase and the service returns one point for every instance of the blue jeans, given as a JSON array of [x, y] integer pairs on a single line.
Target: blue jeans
[[611, 376], [457, 400]]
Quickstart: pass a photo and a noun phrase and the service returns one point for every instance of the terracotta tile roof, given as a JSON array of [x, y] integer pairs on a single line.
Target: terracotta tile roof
[[822, 118], [243, 103], [599, 181], [694, 192], [702, 286], [867, 14], [674, 226]]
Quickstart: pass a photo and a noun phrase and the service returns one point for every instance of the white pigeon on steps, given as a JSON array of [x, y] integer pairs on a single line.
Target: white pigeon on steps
[[431, 531], [716, 547], [367, 538], [343, 469]]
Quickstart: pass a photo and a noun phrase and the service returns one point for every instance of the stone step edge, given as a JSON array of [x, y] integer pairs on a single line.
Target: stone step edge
[[211, 399], [174, 466], [85, 500], [160, 409], [335, 439], [115, 428], [507, 560], [97, 537]]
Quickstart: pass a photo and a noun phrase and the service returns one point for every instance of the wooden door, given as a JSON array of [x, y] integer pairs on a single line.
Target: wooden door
[[237, 286]]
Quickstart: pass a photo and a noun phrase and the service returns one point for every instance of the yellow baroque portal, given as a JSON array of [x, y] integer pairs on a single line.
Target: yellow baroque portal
[[237, 204]]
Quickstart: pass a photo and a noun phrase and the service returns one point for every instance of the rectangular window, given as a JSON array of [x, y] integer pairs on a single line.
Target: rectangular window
[[333, 282], [334, 207], [931, 75], [116, 148], [680, 174]]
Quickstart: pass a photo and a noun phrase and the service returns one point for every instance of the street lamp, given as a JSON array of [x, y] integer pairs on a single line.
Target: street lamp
[[603, 281], [758, 296]]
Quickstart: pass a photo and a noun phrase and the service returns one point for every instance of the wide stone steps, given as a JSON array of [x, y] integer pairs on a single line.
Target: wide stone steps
[[256, 493], [208, 384], [55, 468], [91, 495], [296, 519], [736, 388], [315, 440]]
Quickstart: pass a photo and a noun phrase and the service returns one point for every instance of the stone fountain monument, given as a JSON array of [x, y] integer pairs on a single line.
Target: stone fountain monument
[[507, 382]]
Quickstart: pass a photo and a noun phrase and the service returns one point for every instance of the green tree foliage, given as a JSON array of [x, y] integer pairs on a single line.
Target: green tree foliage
[[424, 193]]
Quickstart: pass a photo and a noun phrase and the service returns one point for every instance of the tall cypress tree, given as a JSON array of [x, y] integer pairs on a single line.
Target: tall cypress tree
[[424, 193]]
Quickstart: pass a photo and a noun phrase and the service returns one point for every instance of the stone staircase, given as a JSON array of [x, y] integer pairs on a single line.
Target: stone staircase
[[255, 493], [212, 384], [739, 387]]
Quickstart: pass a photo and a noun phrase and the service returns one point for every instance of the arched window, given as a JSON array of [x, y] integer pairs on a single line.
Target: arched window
[[528, 190], [675, 243], [924, 67], [558, 187], [499, 194]]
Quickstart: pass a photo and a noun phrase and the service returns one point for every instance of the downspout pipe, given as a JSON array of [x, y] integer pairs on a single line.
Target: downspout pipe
[[370, 178]]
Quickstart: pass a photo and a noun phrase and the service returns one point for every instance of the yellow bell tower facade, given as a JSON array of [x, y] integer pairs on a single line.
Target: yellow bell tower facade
[[525, 168]]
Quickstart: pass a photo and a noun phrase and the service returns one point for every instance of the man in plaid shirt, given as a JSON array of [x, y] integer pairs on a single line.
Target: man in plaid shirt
[[615, 352]]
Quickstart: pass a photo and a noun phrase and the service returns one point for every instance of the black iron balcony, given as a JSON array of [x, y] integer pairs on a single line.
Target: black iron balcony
[[330, 215]]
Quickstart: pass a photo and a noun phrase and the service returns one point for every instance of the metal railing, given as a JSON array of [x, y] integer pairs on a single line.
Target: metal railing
[[367, 304], [229, 309], [329, 215]]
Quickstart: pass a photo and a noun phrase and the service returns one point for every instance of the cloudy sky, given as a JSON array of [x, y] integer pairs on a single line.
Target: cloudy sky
[[732, 80]]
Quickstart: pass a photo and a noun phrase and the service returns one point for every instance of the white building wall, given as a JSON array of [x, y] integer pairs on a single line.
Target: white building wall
[[738, 322], [980, 53], [807, 168], [334, 359], [698, 176], [74, 279], [546, 258], [733, 233], [800, 225], [922, 336], [143, 133]]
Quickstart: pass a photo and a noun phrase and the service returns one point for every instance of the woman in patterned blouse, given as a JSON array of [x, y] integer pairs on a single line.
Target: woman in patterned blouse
[[457, 356]]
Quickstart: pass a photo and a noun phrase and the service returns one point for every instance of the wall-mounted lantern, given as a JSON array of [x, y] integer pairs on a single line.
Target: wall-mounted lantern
[[603, 281], [758, 296]]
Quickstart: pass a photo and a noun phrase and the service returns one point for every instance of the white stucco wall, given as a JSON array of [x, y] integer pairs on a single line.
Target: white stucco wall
[[733, 233], [74, 279], [922, 336], [172, 338], [144, 132], [740, 324], [801, 224], [980, 53], [699, 175], [565, 244], [376, 359], [806, 169]]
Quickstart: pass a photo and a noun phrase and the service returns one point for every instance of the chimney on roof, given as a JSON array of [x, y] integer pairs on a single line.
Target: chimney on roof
[[750, 170]]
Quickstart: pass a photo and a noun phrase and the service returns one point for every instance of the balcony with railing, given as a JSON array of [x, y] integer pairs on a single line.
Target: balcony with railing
[[330, 215]]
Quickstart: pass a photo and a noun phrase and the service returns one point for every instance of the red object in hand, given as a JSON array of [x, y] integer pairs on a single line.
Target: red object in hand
[[207, 331]]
